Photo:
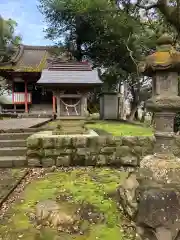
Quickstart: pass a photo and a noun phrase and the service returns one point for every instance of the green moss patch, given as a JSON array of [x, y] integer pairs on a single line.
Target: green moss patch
[[121, 129], [84, 191], [114, 128]]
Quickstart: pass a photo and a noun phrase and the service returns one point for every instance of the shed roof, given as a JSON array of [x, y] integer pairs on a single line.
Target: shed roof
[[49, 77]]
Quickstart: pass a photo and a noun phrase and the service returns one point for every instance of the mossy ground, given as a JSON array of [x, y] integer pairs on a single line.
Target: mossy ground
[[122, 129], [115, 128], [81, 186]]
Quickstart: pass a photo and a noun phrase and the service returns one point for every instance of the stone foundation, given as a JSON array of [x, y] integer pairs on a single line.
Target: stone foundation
[[45, 149]]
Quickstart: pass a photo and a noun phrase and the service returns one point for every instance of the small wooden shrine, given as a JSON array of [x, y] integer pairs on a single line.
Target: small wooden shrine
[[42, 82]]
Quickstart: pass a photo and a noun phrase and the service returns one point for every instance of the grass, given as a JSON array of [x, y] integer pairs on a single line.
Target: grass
[[116, 128], [124, 129], [83, 186]]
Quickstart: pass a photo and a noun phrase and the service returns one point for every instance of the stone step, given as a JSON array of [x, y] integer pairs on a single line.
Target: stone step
[[13, 151], [14, 136], [12, 143], [69, 131], [13, 161], [26, 130], [71, 123]]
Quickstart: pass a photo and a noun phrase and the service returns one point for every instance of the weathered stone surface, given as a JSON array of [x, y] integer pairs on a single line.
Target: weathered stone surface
[[129, 141], [34, 162], [79, 142], [129, 154], [108, 150], [48, 142], [36, 153], [63, 161], [122, 151], [127, 195], [33, 142], [161, 168], [101, 160], [49, 211], [57, 152], [159, 211], [48, 162], [129, 160]]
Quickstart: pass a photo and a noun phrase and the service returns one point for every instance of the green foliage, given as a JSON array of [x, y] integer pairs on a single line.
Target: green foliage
[[8, 40]]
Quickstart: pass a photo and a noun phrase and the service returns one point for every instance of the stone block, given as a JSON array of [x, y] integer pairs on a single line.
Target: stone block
[[82, 151], [176, 150], [57, 152], [108, 150], [110, 141], [48, 142], [37, 153], [102, 160], [79, 157], [79, 142], [129, 160], [63, 161], [47, 162], [146, 141], [33, 142], [177, 140], [122, 151], [96, 142], [20, 163], [6, 163], [138, 150], [34, 162], [111, 160], [130, 141], [91, 160], [66, 141], [118, 140]]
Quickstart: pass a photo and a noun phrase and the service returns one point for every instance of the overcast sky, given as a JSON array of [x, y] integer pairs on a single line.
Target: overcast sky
[[30, 21]]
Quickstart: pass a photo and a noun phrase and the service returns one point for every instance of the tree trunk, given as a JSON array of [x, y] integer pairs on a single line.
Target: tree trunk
[[133, 111], [144, 113], [136, 115], [152, 119]]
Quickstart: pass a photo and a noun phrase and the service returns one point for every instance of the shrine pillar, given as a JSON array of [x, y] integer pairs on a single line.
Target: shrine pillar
[[83, 105], [13, 101], [58, 102], [54, 103], [26, 96]]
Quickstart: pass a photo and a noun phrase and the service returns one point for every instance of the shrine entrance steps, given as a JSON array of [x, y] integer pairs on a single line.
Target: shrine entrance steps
[[13, 147]]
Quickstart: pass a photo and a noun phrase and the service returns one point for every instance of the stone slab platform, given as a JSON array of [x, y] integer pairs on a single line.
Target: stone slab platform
[[22, 123]]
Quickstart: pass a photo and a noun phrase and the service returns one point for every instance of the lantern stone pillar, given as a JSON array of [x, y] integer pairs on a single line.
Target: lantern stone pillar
[[151, 196]]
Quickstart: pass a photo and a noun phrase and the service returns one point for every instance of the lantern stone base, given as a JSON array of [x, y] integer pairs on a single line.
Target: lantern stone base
[[151, 197]]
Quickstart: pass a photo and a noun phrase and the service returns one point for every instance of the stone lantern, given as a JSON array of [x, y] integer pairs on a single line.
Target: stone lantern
[[163, 66], [152, 194]]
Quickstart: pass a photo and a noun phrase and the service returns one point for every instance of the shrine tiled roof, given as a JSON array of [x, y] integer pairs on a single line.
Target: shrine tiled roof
[[75, 76], [27, 59]]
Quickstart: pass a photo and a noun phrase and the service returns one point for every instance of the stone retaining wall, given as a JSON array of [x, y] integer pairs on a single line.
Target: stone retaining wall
[[87, 151], [90, 151]]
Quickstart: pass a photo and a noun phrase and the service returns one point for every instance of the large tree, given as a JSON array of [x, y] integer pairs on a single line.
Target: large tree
[[113, 37], [8, 42], [8, 39]]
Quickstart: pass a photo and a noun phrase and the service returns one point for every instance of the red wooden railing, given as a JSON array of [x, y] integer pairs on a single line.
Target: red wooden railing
[[19, 98]]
